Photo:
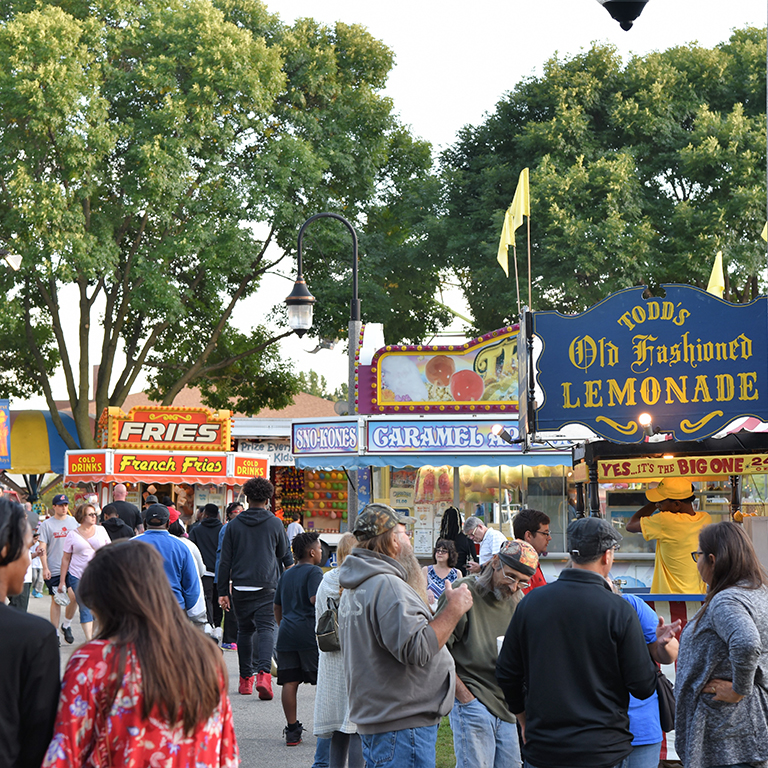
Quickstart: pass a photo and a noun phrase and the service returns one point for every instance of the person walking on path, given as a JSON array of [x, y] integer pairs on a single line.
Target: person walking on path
[[442, 570], [400, 676], [229, 633], [127, 512], [150, 689], [254, 551], [451, 528], [29, 654], [79, 548], [572, 654], [114, 525], [295, 616], [206, 536], [332, 723], [53, 533]]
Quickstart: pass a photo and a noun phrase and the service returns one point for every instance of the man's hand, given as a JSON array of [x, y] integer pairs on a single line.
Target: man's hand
[[46, 574], [224, 602], [667, 632], [473, 567], [463, 694]]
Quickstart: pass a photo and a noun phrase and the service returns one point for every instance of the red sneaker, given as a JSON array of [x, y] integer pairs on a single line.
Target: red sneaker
[[264, 686], [246, 686]]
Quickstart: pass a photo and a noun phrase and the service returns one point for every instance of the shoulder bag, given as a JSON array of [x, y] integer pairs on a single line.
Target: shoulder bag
[[327, 630]]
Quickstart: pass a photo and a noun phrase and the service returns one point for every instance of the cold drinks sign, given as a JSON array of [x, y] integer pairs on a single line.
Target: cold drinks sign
[[691, 361]]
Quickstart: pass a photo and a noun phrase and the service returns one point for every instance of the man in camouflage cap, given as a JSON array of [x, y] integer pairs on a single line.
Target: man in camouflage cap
[[400, 677], [484, 730]]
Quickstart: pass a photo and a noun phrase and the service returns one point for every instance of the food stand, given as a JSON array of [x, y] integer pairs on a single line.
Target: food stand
[[180, 452], [657, 381]]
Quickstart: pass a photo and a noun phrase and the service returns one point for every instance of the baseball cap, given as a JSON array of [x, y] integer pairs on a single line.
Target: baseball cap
[[519, 555], [174, 514], [376, 519], [151, 499], [60, 499], [157, 513], [591, 536], [670, 488]]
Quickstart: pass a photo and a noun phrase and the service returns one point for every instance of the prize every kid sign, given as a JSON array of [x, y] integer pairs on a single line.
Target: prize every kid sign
[[691, 361]]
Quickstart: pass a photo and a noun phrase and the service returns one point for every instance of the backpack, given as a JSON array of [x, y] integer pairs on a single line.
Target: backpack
[[327, 631]]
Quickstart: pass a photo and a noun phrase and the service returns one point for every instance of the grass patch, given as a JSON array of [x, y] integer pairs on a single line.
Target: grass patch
[[445, 757]]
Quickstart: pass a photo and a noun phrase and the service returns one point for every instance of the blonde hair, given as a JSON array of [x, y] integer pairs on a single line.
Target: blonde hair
[[344, 547]]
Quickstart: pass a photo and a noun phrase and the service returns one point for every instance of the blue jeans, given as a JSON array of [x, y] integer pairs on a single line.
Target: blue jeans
[[85, 611], [255, 616], [623, 764], [322, 753], [645, 756], [409, 748], [481, 740]]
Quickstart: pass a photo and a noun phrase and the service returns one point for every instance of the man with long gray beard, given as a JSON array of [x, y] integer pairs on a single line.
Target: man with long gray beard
[[400, 677], [484, 730]]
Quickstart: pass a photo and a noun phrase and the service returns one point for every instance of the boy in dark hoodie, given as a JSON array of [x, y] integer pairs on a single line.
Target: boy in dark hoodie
[[114, 525], [206, 536], [297, 653], [254, 552]]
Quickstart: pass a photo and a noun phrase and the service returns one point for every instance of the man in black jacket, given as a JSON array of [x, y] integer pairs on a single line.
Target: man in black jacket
[[206, 536], [114, 525], [254, 552], [573, 653]]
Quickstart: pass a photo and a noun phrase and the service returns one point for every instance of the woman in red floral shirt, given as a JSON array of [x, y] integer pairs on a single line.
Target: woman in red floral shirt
[[150, 690]]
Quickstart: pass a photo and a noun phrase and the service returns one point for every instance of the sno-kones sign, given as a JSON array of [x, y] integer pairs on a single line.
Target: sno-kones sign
[[692, 361]]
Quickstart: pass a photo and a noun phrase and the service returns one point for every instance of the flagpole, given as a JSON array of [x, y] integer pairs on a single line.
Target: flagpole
[[530, 298], [517, 279]]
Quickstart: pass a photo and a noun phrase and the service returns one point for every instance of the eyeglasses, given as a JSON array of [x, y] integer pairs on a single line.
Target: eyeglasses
[[546, 534], [92, 514], [441, 551], [514, 580], [696, 555]]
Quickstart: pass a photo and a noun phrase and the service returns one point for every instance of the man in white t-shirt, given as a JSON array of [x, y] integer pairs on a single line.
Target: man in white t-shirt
[[489, 539], [53, 532]]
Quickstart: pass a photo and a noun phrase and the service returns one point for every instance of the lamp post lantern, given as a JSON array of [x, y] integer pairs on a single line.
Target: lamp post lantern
[[624, 11], [300, 304]]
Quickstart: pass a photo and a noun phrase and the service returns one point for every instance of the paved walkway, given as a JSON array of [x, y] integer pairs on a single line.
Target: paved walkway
[[258, 724]]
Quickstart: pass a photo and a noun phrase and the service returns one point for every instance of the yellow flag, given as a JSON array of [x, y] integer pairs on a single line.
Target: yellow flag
[[764, 233], [513, 218], [716, 284]]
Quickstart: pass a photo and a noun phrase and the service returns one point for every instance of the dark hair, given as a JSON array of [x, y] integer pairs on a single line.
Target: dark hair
[[210, 510], [108, 511], [453, 555], [258, 489], [80, 511], [176, 529], [736, 561], [184, 686], [528, 520], [13, 526], [231, 508], [450, 525], [302, 543]]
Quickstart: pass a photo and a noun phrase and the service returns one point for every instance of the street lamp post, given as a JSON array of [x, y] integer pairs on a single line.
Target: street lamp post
[[624, 11], [300, 304], [13, 260]]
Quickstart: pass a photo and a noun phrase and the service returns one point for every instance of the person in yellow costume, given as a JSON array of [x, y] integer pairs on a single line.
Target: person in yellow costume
[[675, 526]]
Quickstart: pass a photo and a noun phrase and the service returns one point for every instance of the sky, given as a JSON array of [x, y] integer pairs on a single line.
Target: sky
[[455, 61]]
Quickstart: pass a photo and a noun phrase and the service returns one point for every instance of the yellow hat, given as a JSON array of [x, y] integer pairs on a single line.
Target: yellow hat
[[670, 488]]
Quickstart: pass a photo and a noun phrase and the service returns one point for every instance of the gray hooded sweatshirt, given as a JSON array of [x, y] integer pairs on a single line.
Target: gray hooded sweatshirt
[[397, 677]]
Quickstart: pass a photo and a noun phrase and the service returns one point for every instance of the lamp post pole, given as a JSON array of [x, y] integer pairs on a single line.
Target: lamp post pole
[[301, 301]]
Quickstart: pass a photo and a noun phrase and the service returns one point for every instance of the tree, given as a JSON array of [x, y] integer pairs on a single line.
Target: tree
[[639, 174], [154, 157]]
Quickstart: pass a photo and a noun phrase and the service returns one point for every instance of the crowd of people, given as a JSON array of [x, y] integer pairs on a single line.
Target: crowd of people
[[529, 673]]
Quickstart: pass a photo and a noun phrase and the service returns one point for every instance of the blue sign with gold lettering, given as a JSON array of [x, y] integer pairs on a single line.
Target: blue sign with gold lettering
[[690, 361]]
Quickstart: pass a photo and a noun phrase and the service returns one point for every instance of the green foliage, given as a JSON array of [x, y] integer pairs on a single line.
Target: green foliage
[[640, 173], [151, 153], [314, 384]]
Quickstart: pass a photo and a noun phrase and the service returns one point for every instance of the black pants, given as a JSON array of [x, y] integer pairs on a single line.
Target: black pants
[[21, 602], [212, 608], [255, 616]]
